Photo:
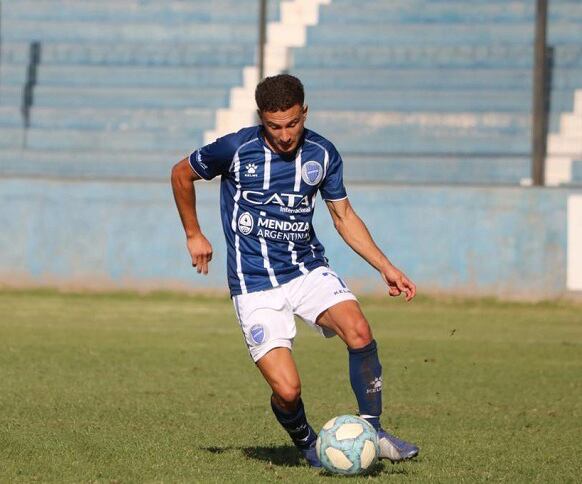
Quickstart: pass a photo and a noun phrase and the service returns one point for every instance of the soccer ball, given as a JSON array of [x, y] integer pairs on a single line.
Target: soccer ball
[[347, 445]]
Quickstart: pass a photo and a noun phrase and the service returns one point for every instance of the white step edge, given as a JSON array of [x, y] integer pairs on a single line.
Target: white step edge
[[565, 146], [291, 31], [574, 251]]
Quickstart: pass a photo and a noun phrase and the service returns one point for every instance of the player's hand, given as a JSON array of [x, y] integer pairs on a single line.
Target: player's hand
[[200, 251], [398, 283]]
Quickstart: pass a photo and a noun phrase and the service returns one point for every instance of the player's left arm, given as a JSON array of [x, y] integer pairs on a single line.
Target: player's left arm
[[355, 233]]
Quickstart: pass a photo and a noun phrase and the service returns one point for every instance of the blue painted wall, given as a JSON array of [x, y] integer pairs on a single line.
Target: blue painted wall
[[503, 241]]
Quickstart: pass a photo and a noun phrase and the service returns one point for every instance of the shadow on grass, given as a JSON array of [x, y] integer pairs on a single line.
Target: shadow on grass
[[279, 455], [287, 456]]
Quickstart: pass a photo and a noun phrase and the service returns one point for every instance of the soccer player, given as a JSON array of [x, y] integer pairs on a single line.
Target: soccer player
[[270, 176]]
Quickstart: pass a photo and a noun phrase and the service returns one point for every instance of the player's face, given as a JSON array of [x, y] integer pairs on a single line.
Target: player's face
[[283, 129]]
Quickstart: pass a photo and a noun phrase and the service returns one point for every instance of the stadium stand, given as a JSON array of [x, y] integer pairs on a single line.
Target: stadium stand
[[120, 83], [440, 91], [411, 91]]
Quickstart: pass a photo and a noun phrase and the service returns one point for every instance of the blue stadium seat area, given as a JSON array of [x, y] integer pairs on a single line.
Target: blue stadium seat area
[[577, 172], [421, 90], [119, 81], [411, 91]]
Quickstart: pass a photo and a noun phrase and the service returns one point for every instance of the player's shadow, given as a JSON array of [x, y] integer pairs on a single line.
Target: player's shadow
[[278, 455], [287, 456], [379, 469]]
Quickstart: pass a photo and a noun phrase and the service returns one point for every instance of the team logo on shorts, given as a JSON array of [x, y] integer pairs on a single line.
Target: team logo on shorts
[[258, 334], [245, 223], [312, 172]]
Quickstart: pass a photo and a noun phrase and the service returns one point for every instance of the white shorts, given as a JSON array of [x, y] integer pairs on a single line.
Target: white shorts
[[267, 317]]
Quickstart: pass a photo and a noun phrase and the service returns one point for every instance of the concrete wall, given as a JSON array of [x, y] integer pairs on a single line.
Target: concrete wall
[[508, 242]]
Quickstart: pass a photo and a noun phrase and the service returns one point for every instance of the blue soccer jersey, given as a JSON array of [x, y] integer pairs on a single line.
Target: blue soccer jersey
[[267, 202]]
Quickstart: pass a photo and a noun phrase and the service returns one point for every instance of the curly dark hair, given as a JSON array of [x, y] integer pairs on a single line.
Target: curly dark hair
[[279, 93]]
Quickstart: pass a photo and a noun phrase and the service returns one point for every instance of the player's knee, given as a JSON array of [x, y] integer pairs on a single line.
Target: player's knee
[[288, 395], [360, 334]]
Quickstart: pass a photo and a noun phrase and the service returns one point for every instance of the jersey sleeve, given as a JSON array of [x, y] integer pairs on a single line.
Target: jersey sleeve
[[213, 159], [332, 187]]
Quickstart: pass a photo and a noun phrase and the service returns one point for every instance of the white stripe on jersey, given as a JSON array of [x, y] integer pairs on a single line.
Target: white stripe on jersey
[[241, 277], [236, 166], [312, 249], [266, 263], [325, 157], [298, 171], [294, 259], [236, 162], [267, 169]]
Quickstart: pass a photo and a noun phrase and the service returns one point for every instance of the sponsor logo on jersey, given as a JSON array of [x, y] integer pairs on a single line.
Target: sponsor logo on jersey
[[286, 230], [284, 225], [258, 334], [291, 200], [312, 172], [251, 170], [245, 223]]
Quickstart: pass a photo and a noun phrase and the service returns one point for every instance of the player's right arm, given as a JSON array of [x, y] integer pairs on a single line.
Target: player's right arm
[[210, 161], [200, 249]]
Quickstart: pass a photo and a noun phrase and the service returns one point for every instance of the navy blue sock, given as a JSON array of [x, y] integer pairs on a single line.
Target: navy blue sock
[[295, 423], [366, 380]]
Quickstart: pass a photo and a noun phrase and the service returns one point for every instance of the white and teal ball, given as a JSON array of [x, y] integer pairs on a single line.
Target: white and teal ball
[[348, 445]]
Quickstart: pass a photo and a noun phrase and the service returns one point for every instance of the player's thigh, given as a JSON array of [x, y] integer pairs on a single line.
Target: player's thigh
[[266, 321], [347, 320], [325, 302], [279, 370]]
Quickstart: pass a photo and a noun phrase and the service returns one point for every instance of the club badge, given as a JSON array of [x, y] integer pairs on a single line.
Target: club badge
[[312, 172]]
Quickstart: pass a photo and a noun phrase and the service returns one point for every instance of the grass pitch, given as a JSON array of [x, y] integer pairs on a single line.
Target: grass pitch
[[129, 388]]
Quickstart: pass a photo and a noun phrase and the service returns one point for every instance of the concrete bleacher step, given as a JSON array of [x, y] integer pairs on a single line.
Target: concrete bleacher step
[[411, 140], [426, 34], [433, 78], [490, 122], [441, 34], [425, 100], [139, 76], [443, 12], [434, 169], [120, 119], [10, 95], [10, 117], [226, 33], [339, 56], [571, 124], [418, 142], [11, 138], [135, 53], [100, 140], [168, 12], [12, 74], [576, 172], [139, 98], [565, 145], [420, 56], [154, 165], [377, 121], [411, 78]]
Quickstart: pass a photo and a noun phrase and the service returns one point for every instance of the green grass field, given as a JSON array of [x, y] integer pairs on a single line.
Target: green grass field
[[129, 388]]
